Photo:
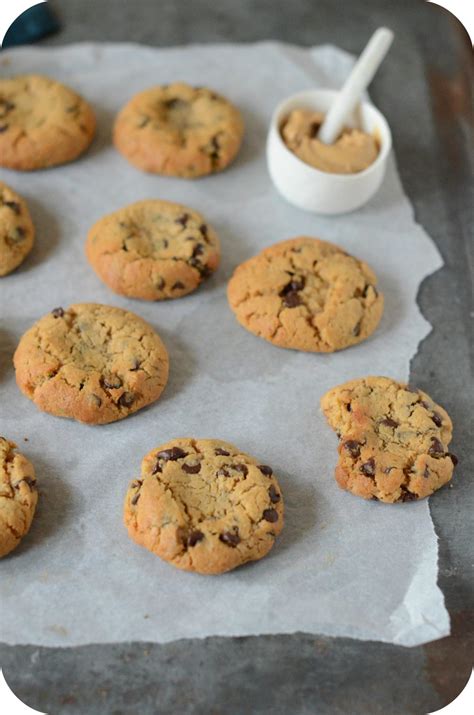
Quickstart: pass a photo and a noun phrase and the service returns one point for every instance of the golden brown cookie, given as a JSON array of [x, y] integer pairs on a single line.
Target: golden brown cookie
[[153, 250], [18, 496], [306, 294], [204, 506], [17, 232], [42, 123], [393, 439], [91, 362], [179, 130]]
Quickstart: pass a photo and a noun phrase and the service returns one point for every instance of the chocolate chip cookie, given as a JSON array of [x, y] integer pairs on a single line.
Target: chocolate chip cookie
[[90, 362], [179, 130], [42, 123], [18, 496], [393, 439], [17, 232], [306, 294], [153, 250], [204, 506]]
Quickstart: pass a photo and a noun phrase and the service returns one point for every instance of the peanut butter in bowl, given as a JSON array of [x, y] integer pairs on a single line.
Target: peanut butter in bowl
[[352, 152]]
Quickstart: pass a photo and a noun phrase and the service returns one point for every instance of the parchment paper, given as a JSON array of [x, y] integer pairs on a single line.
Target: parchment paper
[[342, 566]]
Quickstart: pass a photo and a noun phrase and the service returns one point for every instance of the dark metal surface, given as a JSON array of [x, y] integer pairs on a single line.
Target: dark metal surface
[[425, 91]]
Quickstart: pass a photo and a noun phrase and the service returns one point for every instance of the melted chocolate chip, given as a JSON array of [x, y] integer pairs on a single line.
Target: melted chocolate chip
[[183, 220], [198, 250], [14, 206], [57, 312], [126, 399], [353, 448], [191, 468], [389, 422], [221, 452], [407, 495], [230, 538], [112, 382], [194, 537], [436, 449], [30, 481], [137, 485], [368, 468], [203, 230], [177, 286], [453, 457], [436, 417], [172, 454], [349, 407], [273, 494], [241, 468], [270, 515], [291, 300], [293, 286], [265, 469]]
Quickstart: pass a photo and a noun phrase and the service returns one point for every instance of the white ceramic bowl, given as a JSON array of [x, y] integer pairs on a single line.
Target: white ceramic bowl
[[319, 191]]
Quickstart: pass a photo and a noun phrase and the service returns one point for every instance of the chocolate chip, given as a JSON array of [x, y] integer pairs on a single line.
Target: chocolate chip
[[191, 468], [389, 422], [426, 472], [366, 289], [291, 300], [265, 469], [112, 382], [436, 417], [230, 538], [14, 206], [136, 485], [30, 481], [160, 283], [293, 286], [273, 494], [270, 515], [221, 452], [198, 250], [183, 220], [174, 103], [453, 457], [313, 130], [177, 286], [172, 454], [353, 448], [368, 468], [407, 495], [436, 449], [126, 399], [223, 472], [203, 229], [349, 407], [194, 537], [57, 313], [3, 128], [241, 468], [356, 331]]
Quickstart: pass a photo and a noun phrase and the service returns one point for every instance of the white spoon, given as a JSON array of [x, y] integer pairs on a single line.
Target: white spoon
[[358, 80]]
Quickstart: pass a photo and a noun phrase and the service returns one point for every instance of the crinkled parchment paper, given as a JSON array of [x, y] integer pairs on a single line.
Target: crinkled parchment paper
[[343, 566]]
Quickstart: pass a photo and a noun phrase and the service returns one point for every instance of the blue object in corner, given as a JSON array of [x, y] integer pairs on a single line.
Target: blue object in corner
[[31, 25]]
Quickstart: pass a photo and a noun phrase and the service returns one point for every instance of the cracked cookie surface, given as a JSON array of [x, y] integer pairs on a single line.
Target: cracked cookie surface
[[17, 232], [306, 294], [393, 439], [153, 250], [18, 496], [90, 362], [42, 123], [204, 506], [179, 130]]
